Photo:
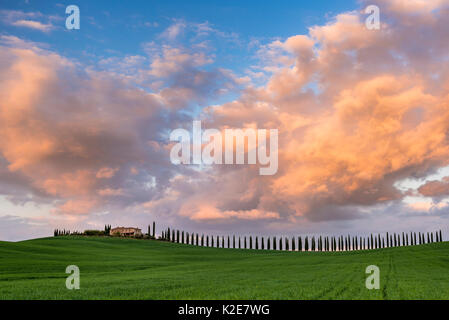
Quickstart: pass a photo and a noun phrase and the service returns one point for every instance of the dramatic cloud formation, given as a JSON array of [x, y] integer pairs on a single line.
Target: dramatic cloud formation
[[357, 111]]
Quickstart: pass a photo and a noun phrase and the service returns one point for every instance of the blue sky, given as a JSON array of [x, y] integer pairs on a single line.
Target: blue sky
[[114, 28]]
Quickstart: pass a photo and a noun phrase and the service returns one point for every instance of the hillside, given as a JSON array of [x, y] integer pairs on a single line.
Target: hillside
[[114, 268]]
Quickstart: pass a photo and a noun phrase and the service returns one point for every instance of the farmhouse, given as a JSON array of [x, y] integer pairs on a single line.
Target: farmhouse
[[127, 231]]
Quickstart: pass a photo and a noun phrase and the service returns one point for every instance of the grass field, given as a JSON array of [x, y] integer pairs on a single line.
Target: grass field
[[114, 268]]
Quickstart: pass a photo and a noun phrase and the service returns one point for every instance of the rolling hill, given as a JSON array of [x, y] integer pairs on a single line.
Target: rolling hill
[[113, 268]]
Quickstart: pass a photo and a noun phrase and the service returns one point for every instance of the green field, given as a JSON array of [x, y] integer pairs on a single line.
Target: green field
[[113, 268]]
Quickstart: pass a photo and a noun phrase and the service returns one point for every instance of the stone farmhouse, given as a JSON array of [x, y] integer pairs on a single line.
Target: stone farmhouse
[[126, 231]]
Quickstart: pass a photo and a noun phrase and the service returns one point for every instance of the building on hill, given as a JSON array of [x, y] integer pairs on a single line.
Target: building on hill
[[126, 231]]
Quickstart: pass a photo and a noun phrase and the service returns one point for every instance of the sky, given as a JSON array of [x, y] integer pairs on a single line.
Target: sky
[[362, 116]]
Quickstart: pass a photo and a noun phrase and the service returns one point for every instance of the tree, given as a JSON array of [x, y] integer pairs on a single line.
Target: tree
[[182, 238], [299, 244], [250, 242], [154, 229], [306, 244], [293, 244], [229, 242], [257, 243], [268, 244], [244, 243], [280, 243], [286, 244], [262, 243], [274, 243], [240, 247], [441, 237]]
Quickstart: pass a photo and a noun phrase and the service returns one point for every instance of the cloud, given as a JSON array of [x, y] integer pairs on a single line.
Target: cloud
[[357, 111], [435, 188], [29, 20], [33, 25]]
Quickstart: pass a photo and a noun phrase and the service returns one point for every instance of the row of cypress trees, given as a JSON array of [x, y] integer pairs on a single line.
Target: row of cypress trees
[[154, 230], [314, 243]]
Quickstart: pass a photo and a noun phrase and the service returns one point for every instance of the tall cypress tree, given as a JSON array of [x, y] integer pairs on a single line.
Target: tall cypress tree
[[441, 236], [257, 243], [299, 244], [182, 238], [306, 244], [262, 243], [293, 244], [286, 244], [251, 242], [268, 244], [274, 243], [240, 247], [229, 242], [233, 241], [280, 243], [154, 229], [244, 243]]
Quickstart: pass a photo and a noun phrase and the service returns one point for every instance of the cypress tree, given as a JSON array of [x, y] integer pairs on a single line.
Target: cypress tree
[[251, 242], [293, 244], [233, 241], [268, 244], [428, 238], [280, 243], [222, 242], [244, 242], [306, 244], [257, 243], [207, 241], [431, 237], [240, 247], [154, 229], [286, 244], [229, 242], [299, 244], [182, 238], [262, 243], [441, 237], [274, 243]]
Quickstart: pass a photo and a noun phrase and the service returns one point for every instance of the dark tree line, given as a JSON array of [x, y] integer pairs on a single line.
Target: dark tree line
[[314, 243]]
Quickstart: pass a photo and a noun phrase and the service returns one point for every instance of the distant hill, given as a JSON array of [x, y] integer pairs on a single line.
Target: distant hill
[[113, 268]]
